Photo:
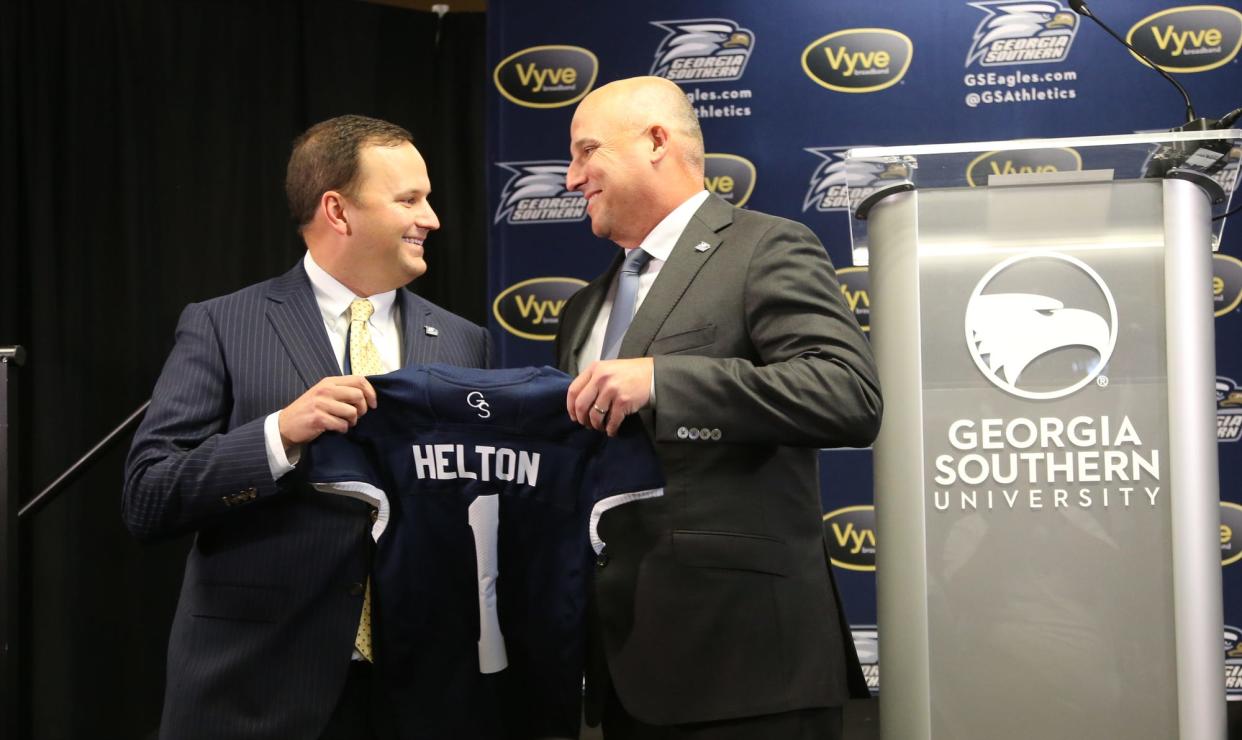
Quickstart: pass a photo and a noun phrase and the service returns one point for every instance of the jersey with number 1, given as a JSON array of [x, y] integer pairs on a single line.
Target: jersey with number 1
[[489, 500]]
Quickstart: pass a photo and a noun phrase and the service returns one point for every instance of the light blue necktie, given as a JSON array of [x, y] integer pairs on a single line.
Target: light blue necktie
[[623, 305]]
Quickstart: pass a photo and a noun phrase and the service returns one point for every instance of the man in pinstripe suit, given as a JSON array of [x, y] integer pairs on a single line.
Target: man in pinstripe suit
[[262, 643]]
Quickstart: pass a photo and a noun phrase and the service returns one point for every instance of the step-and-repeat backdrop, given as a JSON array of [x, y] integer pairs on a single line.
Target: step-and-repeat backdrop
[[782, 90]]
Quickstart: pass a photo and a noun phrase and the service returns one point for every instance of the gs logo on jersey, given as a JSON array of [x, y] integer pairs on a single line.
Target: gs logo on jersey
[[828, 191], [536, 194], [1230, 525], [1194, 38], [729, 176], [855, 288], [702, 50], [1022, 32], [851, 537], [546, 76], [1226, 283], [532, 308], [1228, 410], [1021, 162], [858, 60]]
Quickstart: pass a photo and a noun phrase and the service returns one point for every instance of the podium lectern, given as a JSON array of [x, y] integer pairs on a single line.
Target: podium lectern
[[1046, 474]]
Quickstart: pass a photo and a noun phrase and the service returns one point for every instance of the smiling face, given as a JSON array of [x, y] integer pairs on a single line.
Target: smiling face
[[612, 167], [389, 218]]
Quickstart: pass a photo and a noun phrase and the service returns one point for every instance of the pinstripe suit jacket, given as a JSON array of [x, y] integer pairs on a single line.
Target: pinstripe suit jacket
[[263, 633]]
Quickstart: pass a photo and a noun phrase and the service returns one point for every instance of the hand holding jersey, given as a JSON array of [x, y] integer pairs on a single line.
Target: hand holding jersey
[[609, 390]]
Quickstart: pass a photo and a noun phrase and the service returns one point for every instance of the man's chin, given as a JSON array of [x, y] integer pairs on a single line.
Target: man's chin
[[413, 269]]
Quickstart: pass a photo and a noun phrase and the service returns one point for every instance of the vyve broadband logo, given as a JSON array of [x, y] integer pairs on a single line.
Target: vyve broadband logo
[[1021, 162], [851, 537], [1226, 284], [729, 176], [858, 60], [532, 308], [1194, 38], [1030, 344], [546, 76]]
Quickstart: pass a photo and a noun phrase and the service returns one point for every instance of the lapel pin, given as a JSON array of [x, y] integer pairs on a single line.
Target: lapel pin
[[431, 330], [702, 247]]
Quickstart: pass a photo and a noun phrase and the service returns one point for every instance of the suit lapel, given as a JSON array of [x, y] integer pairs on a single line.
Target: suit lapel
[[677, 273], [295, 317], [578, 324], [420, 339]]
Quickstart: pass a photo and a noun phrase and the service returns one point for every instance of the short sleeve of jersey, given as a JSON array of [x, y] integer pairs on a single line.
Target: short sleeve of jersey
[[625, 463], [342, 465]]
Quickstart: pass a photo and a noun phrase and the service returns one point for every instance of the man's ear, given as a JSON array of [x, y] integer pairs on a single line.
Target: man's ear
[[332, 206], [658, 136]]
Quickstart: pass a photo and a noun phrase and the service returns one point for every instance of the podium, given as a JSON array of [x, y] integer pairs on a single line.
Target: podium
[[1046, 474]]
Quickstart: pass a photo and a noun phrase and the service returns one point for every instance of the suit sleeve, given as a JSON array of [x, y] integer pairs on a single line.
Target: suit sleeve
[[813, 382], [186, 468]]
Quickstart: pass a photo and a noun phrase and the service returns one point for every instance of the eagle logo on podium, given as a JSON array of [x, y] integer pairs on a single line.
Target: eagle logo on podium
[[1010, 329]]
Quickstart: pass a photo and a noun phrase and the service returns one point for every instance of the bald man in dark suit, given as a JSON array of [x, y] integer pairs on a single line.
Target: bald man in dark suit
[[716, 614], [266, 642]]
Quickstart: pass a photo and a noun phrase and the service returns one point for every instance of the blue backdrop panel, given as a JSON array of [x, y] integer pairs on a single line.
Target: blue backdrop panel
[[782, 89]]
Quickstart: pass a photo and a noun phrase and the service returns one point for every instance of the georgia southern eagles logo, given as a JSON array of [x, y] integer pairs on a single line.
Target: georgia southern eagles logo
[[828, 191], [1022, 32], [1228, 409], [702, 50], [536, 194], [1006, 332]]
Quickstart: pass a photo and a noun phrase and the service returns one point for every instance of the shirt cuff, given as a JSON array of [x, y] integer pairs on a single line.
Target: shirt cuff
[[277, 460], [651, 396]]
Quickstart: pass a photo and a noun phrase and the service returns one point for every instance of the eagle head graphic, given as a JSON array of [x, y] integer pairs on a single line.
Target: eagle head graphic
[[532, 180], [705, 37], [1009, 331]]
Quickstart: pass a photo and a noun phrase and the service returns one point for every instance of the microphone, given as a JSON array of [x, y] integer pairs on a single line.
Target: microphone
[[1195, 161], [1192, 124]]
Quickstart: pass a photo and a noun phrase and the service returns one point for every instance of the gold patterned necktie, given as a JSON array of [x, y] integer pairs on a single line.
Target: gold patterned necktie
[[364, 359]]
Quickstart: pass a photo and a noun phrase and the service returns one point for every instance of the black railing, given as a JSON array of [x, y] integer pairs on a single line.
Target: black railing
[[12, 513]]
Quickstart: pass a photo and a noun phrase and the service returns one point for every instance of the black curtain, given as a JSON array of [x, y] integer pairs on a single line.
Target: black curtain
[[142, 154]]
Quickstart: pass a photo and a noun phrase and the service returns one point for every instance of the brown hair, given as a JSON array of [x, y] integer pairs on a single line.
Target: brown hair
[[325, 158]]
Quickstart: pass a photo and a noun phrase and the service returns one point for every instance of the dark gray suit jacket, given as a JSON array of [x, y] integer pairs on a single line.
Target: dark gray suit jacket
[[264, 628], [716, 601]]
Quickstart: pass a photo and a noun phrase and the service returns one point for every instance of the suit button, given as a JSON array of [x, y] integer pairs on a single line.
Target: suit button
[[357, 589], [681, 432], [601, 560], [715, 434], [693, 433]]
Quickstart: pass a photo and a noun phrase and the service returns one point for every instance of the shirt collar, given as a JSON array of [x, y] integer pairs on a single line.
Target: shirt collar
[[334, 298], [661, 240]]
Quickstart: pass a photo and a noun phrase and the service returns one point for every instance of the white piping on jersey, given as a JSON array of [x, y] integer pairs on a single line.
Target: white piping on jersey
[[484, 518], [363, 492], [613, 502]]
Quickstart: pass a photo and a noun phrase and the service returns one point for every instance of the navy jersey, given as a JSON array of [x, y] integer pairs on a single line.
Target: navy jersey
[[489, 500]]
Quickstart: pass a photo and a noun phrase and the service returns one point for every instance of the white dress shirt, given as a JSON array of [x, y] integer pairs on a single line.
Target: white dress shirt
[[659, 244], [334, 299]]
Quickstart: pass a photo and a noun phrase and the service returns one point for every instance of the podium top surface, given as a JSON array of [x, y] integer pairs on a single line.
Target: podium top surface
[[1210, 159]]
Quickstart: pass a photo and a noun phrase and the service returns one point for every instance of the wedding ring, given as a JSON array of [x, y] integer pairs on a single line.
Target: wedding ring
[[598, 410]]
